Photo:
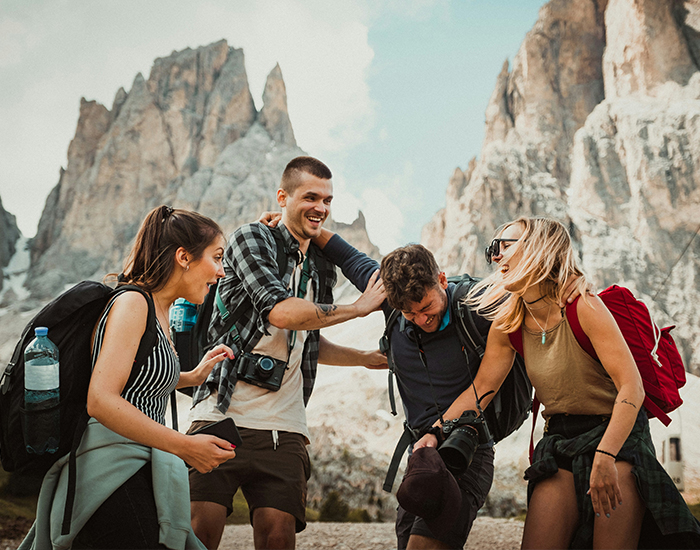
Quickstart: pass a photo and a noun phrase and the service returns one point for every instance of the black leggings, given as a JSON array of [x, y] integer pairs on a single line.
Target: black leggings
[[127, 519]]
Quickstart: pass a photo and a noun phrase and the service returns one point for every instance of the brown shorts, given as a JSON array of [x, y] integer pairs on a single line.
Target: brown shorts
[[268, 477]]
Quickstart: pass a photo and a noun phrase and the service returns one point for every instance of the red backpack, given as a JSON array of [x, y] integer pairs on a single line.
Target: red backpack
[[653, 349]]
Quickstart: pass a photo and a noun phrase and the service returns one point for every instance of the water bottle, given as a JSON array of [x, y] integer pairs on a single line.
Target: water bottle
[[183, 316], [42, 425]]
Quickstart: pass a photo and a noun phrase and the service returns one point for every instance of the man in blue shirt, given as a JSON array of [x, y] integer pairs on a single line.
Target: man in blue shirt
[[416, 287]]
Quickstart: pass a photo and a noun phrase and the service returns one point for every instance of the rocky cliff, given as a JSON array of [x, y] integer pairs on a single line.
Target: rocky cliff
[[9, 234], [596, 123], [189, 136]]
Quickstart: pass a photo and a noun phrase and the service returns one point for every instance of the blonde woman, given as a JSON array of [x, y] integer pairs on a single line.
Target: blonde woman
[[594, 474]]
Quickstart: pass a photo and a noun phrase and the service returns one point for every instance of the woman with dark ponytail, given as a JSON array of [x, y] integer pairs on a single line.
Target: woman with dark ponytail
[[132, 491]]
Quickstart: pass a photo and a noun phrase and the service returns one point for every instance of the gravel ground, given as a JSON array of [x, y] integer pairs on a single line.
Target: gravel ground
[[487, 534]]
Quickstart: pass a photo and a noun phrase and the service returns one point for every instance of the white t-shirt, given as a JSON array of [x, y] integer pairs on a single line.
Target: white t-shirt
[[259, 408]]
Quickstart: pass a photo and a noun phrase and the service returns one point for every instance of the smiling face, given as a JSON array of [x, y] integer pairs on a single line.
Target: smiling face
[[204, 271], [305, 209], [427, 314], [508, 260]]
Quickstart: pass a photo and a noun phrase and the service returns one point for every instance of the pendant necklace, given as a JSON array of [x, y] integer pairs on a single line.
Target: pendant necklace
[[543, 329]]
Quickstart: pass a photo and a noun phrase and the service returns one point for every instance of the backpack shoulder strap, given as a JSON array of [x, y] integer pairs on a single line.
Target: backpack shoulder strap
[[467, 330], [150, 335], [516, 340], [385, 347], [282, 251], [575, 324]]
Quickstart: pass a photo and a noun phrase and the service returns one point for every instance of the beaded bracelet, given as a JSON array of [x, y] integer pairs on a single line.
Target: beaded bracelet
[[606, 453]]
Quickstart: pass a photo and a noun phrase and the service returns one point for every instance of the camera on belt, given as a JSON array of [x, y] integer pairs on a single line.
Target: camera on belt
[[261, 370]]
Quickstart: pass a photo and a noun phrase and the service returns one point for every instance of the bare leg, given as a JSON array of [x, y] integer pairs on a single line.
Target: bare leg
[[552, 514], [419, 542], [622, 528], [208, 521], [273, 529]]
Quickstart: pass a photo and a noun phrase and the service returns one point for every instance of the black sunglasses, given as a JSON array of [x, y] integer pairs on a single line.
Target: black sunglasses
[[494, 249]]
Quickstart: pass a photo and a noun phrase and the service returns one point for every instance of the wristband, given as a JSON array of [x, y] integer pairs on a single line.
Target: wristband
[[601, 451]]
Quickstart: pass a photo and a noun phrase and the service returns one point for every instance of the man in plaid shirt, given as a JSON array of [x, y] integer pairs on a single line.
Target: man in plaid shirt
[[282, 309]]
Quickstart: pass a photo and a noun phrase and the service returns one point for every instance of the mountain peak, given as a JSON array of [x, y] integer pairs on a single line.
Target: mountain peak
[[274, 115]]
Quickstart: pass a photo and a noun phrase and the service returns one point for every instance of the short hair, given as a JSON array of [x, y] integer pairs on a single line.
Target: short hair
[[291, 177], [408, 274]]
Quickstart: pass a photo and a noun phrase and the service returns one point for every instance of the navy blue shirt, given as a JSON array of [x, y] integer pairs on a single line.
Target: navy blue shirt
[[447, 367]]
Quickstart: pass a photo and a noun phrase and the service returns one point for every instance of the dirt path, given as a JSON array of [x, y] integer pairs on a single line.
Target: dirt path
[[487, 534]]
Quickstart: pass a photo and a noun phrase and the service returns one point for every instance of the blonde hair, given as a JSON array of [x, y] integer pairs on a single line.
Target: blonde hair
[[544, 256]]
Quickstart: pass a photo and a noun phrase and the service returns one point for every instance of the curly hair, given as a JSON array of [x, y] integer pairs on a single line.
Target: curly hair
[[408, 274]]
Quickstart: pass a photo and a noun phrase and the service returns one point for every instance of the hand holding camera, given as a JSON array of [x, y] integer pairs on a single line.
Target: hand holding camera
[[462, 437]]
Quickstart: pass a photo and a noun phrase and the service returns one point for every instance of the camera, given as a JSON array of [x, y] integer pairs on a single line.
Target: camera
[[261, 370], [462, 437]]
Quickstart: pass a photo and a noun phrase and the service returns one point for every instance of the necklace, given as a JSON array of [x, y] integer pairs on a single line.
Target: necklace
[[536, 308], [543, 329], [535, 301]]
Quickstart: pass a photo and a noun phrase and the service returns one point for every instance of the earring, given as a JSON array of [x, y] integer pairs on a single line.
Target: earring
[[188, 267]]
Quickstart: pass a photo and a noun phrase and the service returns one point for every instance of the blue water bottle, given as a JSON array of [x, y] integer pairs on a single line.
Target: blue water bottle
[[183, 316], [42, 422]]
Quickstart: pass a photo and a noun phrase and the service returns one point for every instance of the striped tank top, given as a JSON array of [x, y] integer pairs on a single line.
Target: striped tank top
[[156, 379]]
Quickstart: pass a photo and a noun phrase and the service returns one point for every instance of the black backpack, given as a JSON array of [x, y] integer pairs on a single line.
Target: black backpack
[[510, 406], [70, 318]]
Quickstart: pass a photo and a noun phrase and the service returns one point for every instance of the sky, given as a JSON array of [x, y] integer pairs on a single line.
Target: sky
[[390, 94]]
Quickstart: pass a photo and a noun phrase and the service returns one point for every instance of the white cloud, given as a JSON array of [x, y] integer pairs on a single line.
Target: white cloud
[[385, 220], [46, 65]]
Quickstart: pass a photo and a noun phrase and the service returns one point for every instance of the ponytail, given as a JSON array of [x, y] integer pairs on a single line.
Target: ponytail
[[151, 261]]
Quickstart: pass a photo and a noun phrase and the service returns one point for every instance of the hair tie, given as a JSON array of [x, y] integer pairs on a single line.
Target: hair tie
[[168, 212]]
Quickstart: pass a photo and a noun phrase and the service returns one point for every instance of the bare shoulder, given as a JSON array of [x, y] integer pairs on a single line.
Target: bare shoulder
[[130, 308], [594, 315]]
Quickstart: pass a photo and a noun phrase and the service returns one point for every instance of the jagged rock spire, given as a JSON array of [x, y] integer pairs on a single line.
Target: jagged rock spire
[[274, 116]]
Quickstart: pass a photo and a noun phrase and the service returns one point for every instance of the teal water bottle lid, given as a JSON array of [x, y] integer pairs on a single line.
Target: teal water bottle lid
[[41, 331]]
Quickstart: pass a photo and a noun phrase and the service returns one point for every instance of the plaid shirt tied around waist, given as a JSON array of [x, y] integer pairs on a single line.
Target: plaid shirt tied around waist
[[252, 275], [671, 524]]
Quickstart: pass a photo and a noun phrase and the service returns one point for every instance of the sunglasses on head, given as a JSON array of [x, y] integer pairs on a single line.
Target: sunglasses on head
[[494, 249]]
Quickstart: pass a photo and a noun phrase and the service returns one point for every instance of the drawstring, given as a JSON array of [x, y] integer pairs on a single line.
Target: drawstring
[[275, 440]]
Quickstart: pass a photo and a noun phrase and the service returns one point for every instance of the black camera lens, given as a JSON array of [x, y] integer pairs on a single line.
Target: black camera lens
[[265, 367], [458, 449]]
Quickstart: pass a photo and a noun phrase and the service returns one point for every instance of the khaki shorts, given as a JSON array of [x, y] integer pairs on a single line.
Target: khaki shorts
[[268, 477]]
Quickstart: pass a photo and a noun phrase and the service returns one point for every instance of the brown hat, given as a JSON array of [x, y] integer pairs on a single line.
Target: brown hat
[[429, 491]]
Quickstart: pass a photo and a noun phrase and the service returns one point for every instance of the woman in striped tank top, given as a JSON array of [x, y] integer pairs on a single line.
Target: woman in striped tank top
[[177, 254], [594, 481]]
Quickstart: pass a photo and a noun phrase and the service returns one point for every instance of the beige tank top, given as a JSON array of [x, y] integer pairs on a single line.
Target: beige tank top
[[566, 379]]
